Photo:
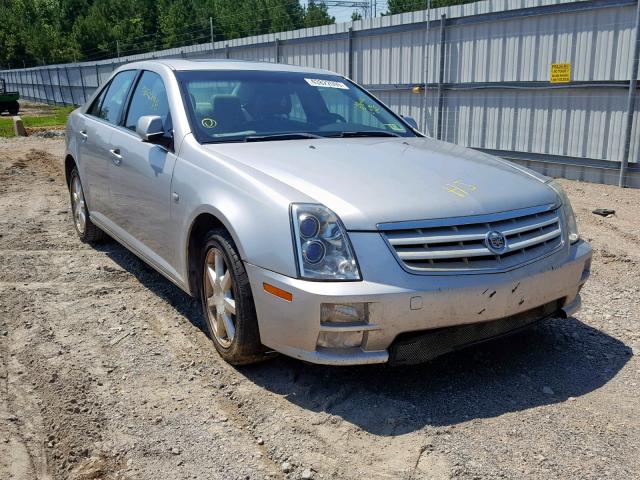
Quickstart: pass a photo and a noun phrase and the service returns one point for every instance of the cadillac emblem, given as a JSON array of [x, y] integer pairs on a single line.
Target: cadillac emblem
[[496, 242]]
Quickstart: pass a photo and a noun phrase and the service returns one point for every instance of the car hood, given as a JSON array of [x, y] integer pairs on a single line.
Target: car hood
[[368, 181]]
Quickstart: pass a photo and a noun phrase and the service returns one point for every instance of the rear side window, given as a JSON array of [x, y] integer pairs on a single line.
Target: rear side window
[[149, 98], [111, 107]]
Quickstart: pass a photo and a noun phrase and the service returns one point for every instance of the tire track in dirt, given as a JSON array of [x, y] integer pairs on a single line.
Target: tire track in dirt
[[118, 380]]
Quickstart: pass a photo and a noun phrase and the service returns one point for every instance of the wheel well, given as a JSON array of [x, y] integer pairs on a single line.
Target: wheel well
[[69, 163], [200, 227]]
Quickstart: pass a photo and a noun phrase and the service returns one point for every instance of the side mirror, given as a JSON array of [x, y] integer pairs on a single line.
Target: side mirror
[[150, 128], [410, 120]]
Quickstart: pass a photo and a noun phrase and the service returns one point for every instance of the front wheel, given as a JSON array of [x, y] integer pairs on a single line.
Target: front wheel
[[227, 301]]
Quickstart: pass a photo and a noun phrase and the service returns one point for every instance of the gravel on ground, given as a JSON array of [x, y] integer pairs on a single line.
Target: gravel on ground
[[105, 371]]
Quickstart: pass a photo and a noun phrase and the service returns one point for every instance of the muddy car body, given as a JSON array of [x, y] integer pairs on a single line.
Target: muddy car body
[[313, 221]]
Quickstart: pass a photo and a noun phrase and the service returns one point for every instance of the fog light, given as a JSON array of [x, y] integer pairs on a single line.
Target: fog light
[[344, 312], [340, 339]]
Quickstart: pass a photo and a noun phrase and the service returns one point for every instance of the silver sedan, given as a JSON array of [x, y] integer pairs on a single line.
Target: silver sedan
[[313, 221]]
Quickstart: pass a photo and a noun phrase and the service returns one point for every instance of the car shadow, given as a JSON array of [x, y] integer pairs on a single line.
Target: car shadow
[[546, 364], [154, 281], [549, 363]]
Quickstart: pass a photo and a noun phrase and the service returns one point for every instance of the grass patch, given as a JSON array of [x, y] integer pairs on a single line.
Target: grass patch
[[6, 127], [57, 118]]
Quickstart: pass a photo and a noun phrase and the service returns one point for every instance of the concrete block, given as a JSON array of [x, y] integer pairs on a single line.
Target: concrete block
[[18, 127]]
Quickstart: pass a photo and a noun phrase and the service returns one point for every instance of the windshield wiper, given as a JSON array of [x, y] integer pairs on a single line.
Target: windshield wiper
[[364, 133], [281, 136]]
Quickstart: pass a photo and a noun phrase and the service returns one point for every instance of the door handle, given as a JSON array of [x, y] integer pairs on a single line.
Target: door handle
[[83, 135], [116, 158]]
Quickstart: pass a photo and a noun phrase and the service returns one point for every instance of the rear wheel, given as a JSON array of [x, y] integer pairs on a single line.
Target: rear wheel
[[227, 302], [85, 228]]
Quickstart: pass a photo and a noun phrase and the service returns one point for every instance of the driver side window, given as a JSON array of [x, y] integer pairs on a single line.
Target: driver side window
[[108, 106], [149, 98]]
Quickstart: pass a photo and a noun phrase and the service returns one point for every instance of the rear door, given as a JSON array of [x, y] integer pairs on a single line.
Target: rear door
[[141, 179], [94, 142]]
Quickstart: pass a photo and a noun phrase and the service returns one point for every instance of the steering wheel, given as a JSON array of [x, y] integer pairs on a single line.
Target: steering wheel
[[336, 118]]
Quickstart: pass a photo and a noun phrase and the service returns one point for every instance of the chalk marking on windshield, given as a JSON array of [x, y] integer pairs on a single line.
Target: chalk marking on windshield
[[209, 123]]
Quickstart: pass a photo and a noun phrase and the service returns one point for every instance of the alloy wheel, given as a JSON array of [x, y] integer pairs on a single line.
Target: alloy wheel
[[220, 302], [78, 205]]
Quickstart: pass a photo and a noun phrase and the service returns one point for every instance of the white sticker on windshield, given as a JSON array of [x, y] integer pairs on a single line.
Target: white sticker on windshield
[[316, 82]]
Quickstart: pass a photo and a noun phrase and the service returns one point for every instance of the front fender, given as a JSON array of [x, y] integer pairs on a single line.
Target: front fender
[[254, 210]]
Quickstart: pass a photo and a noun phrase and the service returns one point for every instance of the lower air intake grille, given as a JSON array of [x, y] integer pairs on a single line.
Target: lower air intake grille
[[419, 347]]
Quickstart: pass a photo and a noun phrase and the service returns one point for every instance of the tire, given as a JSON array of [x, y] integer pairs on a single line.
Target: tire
[[14, 108], [218, 292], [85, 228]]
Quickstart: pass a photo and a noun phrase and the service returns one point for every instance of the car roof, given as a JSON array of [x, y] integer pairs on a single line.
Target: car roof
[[180, 64]]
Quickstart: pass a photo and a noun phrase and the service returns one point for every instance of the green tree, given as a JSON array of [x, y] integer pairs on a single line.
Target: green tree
[[317, 14], [176, 23], [36, 31], [402, 6]]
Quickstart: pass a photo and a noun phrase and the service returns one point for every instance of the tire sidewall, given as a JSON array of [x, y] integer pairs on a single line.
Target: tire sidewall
[[81, 235], [235, 350]]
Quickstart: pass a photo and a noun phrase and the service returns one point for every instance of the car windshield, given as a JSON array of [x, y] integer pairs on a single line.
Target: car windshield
[[247, 105]]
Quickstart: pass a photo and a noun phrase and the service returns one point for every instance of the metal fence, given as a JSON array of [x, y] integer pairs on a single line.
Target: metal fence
[[486, 67]]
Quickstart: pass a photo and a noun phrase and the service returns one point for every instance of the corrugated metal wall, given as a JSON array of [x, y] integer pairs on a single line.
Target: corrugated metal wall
[[495, 92]]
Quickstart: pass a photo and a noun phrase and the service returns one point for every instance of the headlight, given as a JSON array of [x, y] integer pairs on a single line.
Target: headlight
[[567, 211], [322, 247]]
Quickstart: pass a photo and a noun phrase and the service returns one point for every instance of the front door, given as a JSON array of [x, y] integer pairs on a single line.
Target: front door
[[141, 174]]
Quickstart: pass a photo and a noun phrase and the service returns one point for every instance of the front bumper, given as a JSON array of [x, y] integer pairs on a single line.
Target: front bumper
[[400, 302]]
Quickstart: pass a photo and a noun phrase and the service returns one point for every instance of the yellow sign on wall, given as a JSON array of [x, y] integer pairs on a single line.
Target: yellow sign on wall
[[560, 72]]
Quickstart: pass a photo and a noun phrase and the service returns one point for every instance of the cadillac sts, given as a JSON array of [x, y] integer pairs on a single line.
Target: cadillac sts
[[311, 220]]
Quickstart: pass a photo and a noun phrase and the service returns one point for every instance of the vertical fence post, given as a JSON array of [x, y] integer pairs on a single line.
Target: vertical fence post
[[426, 69], [36, 84], [53, 92], [44, 88], [44, 85], [631, 101], [443, 20], [60, 86], [66, 72], [24, 85], [226, 51], [350, 53], [43, 92], [213, 46], [34, 93], [30, 80], [84, 93], [29, 86], [277, 48], [97, 76]]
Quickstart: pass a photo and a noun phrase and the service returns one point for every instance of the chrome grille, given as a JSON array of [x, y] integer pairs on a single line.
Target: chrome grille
[[459, 244]]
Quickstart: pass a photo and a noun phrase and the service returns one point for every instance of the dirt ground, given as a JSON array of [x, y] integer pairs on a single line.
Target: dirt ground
[[33, 109], [105, 372]]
